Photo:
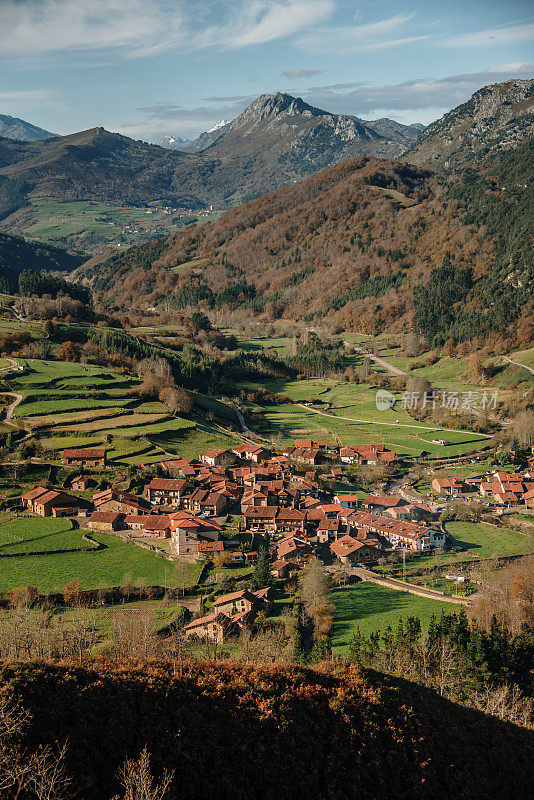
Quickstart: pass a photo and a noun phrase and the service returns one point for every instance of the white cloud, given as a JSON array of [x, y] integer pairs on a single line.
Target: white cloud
[[133, 28], [27, 96], [423, 98], [378, 35], [296, 74], [275, 20], [496, 36]]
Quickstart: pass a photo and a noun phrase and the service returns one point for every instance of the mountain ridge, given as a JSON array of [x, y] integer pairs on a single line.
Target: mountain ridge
[[20, 130], [496, 118], [357, 245], [269, 108]]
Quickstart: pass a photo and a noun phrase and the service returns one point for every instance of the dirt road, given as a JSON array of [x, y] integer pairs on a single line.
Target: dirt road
[[377, 360], [518, 364]]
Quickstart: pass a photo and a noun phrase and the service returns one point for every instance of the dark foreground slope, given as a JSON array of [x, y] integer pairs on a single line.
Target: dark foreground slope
[[270, 733]]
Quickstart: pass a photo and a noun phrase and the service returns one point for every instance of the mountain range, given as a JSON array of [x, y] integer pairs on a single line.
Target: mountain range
[[368, 244], [284, 114], [371, 226], [278, 139], [194, 145]]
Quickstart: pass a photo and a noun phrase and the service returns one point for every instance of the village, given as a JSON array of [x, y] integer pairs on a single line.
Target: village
[[233, 506]]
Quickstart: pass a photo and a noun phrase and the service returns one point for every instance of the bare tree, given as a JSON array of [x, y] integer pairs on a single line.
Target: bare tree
[[139, 784], [39, 775]]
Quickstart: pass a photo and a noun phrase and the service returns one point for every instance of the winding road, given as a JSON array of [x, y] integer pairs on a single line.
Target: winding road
[[18, 398], [518, 364]]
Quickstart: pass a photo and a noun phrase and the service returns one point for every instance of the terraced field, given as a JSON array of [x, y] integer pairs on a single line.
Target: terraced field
[[75, 405]]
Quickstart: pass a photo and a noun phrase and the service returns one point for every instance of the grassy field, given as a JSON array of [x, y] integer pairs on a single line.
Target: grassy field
[[481, 540], [525, 357], [92, 223], [116, 562], [478, 540], [450, 374], [371, 608], [364, 423], [31, 535]]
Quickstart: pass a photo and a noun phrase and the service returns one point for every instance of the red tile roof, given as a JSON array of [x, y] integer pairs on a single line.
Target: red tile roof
[[91, 452], [104, 516]]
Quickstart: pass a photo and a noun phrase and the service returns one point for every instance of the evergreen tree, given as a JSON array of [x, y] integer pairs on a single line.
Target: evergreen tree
[[262, 569]]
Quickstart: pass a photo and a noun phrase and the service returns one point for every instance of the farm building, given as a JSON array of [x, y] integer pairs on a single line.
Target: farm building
[[86, 457], [187, 531], [105, 521], [249, 452], [214, 627], [51, 503], [168, 491], [351, 551], [217, 458], [122, 502]]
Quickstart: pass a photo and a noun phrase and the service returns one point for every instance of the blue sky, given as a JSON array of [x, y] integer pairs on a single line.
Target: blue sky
[[150, 67]]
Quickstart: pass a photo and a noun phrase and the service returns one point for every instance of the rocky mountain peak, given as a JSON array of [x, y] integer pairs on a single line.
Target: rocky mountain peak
[[497, 117]]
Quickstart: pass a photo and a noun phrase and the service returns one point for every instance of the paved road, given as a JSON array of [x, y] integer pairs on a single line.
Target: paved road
[[400, 586]]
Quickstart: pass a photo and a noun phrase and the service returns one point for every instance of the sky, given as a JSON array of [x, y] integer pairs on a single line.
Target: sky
[[146, 68]]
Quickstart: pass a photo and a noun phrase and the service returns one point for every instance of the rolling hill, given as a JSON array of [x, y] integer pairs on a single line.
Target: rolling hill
[[16, 254], [96, 165], [496, 118]]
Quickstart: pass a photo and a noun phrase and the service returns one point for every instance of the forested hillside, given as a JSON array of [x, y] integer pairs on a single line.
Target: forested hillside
[[363, 243], [17, 254]]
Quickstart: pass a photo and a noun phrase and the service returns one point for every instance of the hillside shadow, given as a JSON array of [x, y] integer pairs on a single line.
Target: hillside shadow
[[273, 732]]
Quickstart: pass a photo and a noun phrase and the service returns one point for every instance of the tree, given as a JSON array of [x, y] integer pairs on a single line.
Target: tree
[[177, 400], [262, 569], [40, 774], [200, 322], [523, 427], [137, 780], [68, 351], [72, 592], [49, 328], [314, 583]]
